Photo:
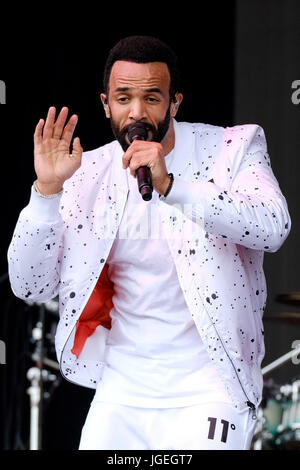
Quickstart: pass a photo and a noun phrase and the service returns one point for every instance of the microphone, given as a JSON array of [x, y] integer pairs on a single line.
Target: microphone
[[138, 131]]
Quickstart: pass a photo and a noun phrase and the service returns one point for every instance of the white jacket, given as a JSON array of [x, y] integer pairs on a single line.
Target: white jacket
[[225, 209]]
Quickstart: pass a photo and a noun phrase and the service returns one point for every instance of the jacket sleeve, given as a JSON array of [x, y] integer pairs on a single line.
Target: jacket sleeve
[[34, 251], [252, 213]]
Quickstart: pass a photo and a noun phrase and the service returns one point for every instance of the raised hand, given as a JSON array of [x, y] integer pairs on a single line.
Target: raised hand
[[53, 162]]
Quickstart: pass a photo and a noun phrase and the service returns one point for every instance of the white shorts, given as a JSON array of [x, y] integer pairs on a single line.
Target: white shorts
[[209, 426]]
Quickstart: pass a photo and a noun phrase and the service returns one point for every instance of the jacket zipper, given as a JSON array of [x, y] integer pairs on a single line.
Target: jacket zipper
[[248, 402]]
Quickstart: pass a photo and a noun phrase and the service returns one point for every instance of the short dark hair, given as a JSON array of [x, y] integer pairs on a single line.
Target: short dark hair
[[142, 50]]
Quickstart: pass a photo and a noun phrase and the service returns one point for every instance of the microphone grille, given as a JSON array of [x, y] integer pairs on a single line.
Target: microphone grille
[[137, 131]]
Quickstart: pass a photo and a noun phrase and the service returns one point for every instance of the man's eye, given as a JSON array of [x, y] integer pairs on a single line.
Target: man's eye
[[151, 99], [123, 99]]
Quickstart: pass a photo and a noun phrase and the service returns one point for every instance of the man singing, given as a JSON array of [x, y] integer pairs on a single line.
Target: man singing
[[161, 300]]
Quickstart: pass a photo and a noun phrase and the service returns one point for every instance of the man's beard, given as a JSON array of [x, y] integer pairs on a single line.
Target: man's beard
[[157, 134]]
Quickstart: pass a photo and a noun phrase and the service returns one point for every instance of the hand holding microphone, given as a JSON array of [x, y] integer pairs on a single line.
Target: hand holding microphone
[[138, 131], [146, 160]]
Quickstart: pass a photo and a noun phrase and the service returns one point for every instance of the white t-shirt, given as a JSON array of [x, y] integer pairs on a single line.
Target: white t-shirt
[[154, 354]]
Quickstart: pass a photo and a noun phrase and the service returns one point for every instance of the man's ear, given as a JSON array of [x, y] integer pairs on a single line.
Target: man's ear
[[175, 104], [103, 98]]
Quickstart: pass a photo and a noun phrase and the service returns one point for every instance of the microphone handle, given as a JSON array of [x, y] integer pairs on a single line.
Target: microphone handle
[[144, 182]]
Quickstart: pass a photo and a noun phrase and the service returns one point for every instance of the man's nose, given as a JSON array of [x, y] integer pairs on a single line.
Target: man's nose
[[137, 110]]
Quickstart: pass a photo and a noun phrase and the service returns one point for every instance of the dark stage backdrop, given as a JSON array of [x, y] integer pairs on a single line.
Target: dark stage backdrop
[[267, 68], [226, 79]]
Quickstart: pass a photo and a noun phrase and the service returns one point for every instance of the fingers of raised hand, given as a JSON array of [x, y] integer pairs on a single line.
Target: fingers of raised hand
[[51, 129], [38, 134], [69, 129], [77, 148], [49, 123], [59, 124]]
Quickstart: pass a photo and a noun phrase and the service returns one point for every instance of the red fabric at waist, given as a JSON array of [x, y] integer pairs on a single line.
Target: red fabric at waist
[[95, 313]]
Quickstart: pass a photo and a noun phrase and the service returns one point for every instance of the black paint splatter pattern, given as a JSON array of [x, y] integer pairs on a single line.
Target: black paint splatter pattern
[[234, 212]]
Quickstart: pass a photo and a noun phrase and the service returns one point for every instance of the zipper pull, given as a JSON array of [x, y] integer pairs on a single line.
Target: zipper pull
[[252, 407]]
